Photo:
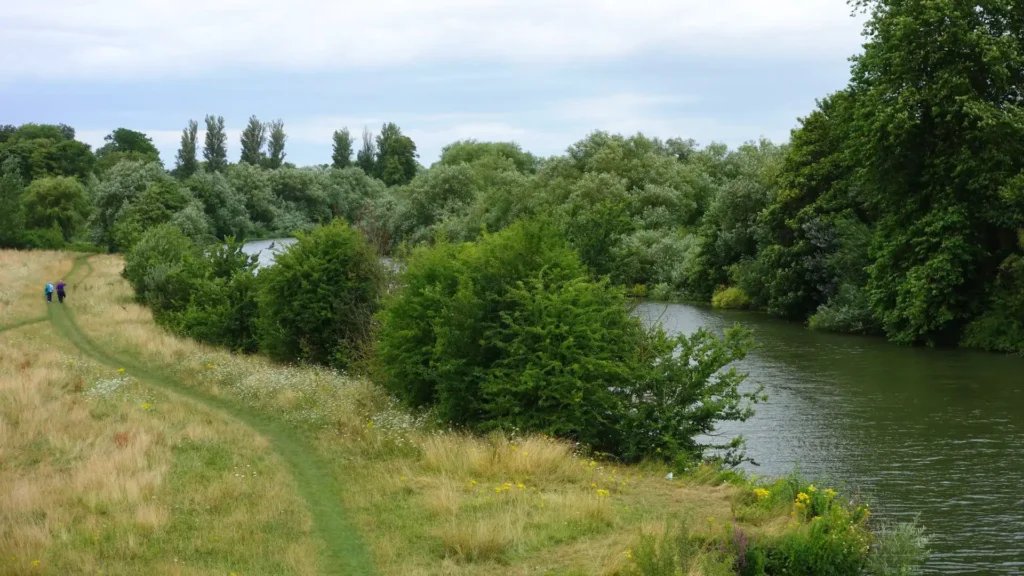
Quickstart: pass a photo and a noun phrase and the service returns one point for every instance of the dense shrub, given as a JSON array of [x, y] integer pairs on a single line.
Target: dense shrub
[[317, 302], [43, 238], [731, 298], [1001, 326], [849, 311], [164, 268], [59, 201], [513, 333]]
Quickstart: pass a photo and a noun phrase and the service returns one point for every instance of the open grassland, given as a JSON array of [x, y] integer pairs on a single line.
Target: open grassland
[[112, 473]]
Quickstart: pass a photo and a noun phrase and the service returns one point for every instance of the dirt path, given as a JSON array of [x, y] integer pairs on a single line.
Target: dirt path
[[343, 552]]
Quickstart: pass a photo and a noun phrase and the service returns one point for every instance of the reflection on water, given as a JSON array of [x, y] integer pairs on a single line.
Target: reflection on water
[[938, 433]]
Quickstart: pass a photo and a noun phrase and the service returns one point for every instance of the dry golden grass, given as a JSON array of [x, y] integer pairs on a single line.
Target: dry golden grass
[[427, 502], [99, 472], [23, 275]]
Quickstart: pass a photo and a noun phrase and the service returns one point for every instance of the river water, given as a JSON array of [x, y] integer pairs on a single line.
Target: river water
[[267, 250], [939, 433]]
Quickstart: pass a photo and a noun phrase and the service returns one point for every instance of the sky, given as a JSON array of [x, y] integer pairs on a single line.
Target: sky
[[542, 73]]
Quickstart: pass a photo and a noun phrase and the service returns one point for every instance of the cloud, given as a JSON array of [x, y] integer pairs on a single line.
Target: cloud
[[157, 38]]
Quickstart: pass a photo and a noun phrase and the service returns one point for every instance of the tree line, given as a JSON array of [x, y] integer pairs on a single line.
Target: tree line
[[896, 208]]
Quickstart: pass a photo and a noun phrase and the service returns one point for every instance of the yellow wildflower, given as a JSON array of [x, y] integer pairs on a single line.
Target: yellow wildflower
[[761, 493], [592, 463], [830, 493], [811, 489], [521, 486], [35, 562], [146, 405], [803, 498], [629, 554], [472, 482], [525, 453], [603, 493], [120, 370], [497, 489], [402, 479]]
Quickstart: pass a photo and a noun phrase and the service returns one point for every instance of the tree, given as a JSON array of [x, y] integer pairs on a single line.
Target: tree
[[56, 201], [938, 136], [12, 218], [124, 144], [396, 156], [186, 163], [121, 187], [275, 145], [254, 137], [215, 150], [342, 155], [366, 158], [317, 302], [44, 150]]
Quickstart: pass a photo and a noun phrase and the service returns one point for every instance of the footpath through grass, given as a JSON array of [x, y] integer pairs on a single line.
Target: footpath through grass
[[343, 552], [130, 450]]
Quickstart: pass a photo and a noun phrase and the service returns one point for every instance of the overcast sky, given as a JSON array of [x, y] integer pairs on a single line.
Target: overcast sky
[[539, 72]]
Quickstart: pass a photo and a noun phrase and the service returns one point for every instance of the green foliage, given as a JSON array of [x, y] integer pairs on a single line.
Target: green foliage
[[939, 132], [253, 138], [44, 238], [730, 298], [56, 201], [155, 206], [12, 216], [317, 302], [215, 146], [121, 187], [163, 268], [275, 145], [366, 158], [474, 152], [224, 205], [396, 156], [123, 144], [43, 150], [511, 332], [1001, 326], [341, 154], [186, 163]]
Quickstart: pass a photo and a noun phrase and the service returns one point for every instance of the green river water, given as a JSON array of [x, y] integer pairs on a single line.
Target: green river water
[[916, 431]]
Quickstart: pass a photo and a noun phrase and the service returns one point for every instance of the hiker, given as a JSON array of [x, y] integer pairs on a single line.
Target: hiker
[[49, 292], [60, 292]]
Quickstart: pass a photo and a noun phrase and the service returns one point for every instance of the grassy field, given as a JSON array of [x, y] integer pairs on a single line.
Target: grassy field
[[125, 450]]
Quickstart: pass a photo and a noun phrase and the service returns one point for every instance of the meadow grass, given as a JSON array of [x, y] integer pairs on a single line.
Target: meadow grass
[[426, 500]]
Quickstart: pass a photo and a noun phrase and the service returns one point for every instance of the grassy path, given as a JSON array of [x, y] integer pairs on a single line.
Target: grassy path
[[21, 323], [343, 552]]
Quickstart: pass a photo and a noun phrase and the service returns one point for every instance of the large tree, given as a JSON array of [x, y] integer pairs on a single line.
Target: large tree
[[254, 137], [46, 150], [124, 144], [186, 163], [12, 218], [59, 201], [275, 145], [396, 156], [940, 137], [366, 158], [342, 153], [215, 149]]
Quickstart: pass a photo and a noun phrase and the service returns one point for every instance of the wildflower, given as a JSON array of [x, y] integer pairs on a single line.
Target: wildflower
[[711, 520], [35, 562], [811, 489], [472, 482], [521, 486], [497, 489], [592, 463], [506, 486], [513, 447], [629, 554], [592, 485], [369, 424], [402, 479], [603, 493], [146, 405], [525, 453], [761, 493], [120, 370], [803, 498], [209, 366], [830, 493]]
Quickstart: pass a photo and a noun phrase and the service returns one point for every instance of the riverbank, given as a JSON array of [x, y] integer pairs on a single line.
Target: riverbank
[[138, 452]]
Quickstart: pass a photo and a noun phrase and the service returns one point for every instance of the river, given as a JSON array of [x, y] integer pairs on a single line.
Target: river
[[938, 433]]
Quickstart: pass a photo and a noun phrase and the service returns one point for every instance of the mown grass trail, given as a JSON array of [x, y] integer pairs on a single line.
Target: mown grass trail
[[20, 323], [343, 551]]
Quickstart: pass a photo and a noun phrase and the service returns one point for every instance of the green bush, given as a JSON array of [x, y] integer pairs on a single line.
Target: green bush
[[901, 550], [730, 298], [1001, 326], [164, 267], [512, 332], [849, 311], [317, 302], [60, 202], [43, 238]]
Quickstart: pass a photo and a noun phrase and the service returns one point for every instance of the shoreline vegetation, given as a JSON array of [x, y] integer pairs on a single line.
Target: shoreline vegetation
[[180, 490]]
